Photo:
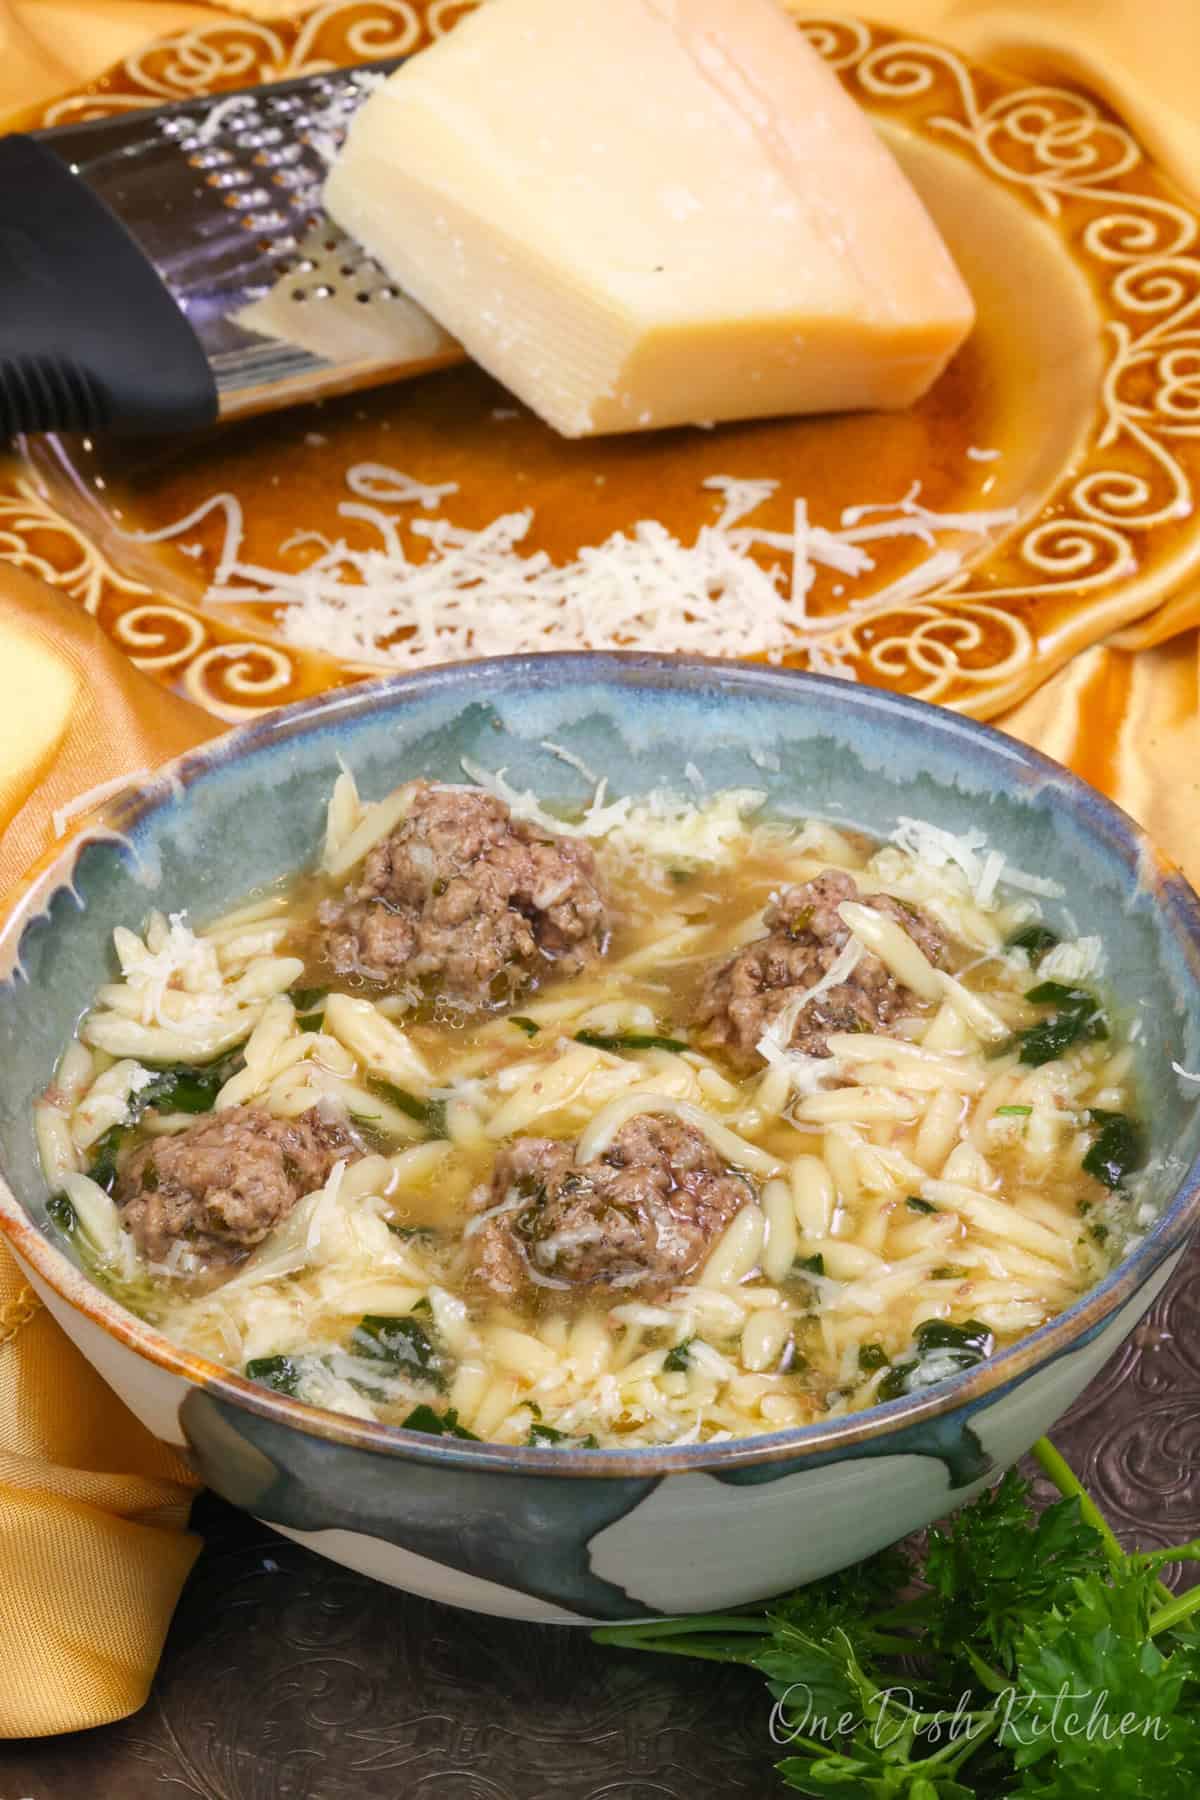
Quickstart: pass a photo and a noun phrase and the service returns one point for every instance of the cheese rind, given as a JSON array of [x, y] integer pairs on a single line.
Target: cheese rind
[[640, 213]]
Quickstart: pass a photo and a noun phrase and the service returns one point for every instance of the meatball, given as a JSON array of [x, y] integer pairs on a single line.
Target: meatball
[[638, 1218], [467, 903], [225, 1183], [805, 935]]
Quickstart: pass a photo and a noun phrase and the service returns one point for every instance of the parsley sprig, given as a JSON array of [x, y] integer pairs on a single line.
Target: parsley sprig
[[1024, 1654]]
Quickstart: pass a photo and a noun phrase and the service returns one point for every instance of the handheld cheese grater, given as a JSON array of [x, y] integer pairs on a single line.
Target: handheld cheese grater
[[167, 268]]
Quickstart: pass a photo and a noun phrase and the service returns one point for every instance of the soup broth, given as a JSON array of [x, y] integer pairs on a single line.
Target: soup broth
[[914, 1157]]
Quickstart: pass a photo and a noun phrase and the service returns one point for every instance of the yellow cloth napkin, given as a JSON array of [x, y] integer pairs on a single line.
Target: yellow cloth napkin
[[93, 1549], [93, 1510]]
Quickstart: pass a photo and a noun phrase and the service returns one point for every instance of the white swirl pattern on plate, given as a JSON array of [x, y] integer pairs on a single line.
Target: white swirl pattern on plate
[[1056, 146], [25, 517]]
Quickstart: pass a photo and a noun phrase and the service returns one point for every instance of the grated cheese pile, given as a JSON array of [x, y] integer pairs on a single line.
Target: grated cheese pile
[[470, 593]]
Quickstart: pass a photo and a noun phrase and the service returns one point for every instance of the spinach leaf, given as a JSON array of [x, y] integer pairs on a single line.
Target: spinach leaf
[[895, 1382], [307, 999], [279, 1372], [872, 1357], [405, 1343], [429, 1113], [628, 1040], [1056, 993], [186, 1087], [60, 1210], [105, 1151], [547, 1436], [174, 1087], [424, 1418], [973, 1340], [420, 1234], [187, 1090], [1077, 1015], [1119, 1148], [957, 1347], [1036, 939]]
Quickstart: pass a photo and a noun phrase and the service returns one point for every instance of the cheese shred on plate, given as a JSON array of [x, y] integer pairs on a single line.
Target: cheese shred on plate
[[430, 591]]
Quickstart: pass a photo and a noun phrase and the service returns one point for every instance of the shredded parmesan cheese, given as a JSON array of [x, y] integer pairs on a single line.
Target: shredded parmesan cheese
[[597, 821], [946, 849], [739, 495], [1079, 960], [478, 592], [217, 117]]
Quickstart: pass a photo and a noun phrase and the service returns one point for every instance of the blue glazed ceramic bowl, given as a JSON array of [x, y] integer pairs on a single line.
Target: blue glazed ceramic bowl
[[586, 1535]]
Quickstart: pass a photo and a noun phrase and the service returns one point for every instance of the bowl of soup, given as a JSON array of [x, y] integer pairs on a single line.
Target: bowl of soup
[[588, 1137]]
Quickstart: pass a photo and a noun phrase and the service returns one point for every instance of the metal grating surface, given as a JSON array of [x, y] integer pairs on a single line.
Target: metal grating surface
[[224, 196]]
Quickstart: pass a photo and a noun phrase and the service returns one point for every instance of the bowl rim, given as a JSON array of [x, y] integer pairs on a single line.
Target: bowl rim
[[1070, 1330]]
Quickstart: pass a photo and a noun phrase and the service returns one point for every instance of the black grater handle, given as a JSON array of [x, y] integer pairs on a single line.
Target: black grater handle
[[90, 338]]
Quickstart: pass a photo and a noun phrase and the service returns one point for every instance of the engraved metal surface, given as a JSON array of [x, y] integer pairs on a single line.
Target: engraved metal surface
[[286, 1678], [223, 194]]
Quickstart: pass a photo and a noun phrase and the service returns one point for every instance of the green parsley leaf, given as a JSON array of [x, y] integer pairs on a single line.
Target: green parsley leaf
[[1034, 1661], [998, 1564], [526, 1025], [679, 1359], [915, 1204], [1099, 1708]]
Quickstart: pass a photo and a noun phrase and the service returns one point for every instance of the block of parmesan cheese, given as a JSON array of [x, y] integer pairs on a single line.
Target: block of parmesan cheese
[[640, 213]]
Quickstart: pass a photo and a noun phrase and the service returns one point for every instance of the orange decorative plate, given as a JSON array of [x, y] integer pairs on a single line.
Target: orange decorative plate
[[1076, 403]]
